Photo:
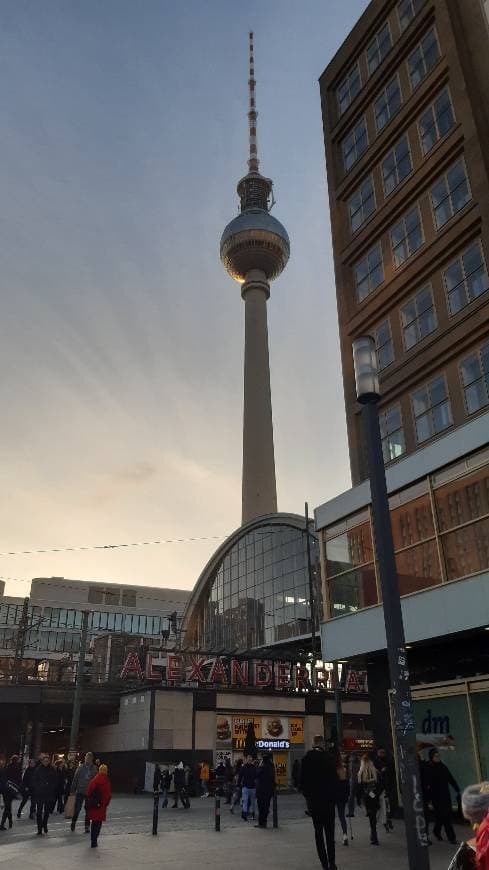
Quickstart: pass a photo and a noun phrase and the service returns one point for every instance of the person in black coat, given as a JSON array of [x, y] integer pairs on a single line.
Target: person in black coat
[[10, 787], [45, 781], [61, 785], [28, 790], [440, 779], [265, 787], [319, 785]]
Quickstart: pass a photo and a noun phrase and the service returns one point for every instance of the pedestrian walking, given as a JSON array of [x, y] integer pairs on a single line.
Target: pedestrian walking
[[83, 774], [265, 787], [161, 783], [236, 795], [180, 790], [370, 788], [353, 768], [10, 787], [319, 785], [69, 775], [97, 799], [343, 794], [388, 797], [440, 779], [28, 789], [247, 782], [204, 776], [45, 782], [60, 785]]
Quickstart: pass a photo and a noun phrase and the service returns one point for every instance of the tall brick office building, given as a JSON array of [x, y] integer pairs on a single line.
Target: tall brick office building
[[405, 105], [406, 121]]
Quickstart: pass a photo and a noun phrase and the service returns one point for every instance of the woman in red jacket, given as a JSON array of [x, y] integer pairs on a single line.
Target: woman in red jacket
[[97, 800]]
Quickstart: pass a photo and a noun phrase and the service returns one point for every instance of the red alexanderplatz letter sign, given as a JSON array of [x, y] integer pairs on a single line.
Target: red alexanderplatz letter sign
[[132, 665], [196, 664], [239, 673], [263, 674]]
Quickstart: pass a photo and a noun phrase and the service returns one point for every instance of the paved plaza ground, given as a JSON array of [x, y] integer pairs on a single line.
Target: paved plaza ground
[[187, 840]]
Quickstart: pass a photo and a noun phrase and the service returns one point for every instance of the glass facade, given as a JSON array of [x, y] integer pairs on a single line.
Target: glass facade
[[259, 592], [441, 533], [67, 626]]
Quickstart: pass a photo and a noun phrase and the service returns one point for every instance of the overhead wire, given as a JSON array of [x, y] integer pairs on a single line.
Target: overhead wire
[[86, 547]]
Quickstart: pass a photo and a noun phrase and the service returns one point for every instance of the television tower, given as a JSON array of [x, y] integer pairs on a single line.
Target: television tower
[[255, 249]]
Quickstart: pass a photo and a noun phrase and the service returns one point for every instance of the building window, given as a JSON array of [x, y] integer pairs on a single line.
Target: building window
[[423, 58], [379, 48], [361, 204], [354, 144], [387, 104], [474, 372], [369, 273], [384, 345], [392, 433], [349, 88], [396, 166], [436, 121], [450, 194], [406, 237], [432, 411], [407, 10], [418, 317], [466, 278]]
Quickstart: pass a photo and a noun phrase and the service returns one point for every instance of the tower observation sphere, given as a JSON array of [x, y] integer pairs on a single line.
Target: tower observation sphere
[[254, 251]]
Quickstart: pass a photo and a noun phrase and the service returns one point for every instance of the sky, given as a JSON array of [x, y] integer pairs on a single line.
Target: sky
[[123, 133]]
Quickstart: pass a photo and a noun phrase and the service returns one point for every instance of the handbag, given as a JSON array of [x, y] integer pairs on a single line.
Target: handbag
[[70, 806], [12, 790]]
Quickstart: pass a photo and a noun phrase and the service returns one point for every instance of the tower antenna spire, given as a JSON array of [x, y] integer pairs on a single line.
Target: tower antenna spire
[[253, 162]]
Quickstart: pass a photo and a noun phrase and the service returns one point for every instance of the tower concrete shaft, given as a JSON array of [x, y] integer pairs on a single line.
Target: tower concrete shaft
[[259, 489]]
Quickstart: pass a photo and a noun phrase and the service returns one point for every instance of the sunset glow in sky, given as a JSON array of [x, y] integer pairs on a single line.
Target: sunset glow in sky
[[123, 135]]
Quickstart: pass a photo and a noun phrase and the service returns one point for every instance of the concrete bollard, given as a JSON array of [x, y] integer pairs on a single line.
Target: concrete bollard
[[218, 813], [156, 805], [275, 810]]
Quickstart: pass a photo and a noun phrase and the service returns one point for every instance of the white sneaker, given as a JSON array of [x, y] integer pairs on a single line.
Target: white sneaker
[[345, 839]]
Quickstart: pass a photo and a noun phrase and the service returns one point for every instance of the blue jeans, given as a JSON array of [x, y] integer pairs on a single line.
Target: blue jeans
[[248, 800], [79, 800]]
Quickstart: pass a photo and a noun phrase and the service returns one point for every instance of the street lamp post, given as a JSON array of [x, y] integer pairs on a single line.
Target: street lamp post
[[368, 394]]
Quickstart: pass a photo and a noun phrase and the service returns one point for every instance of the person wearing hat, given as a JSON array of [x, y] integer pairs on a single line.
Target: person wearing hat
[[97, 800]]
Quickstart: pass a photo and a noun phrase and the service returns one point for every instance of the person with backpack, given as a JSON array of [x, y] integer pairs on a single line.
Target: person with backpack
[[99, 793], [319, 785], [45, 780]]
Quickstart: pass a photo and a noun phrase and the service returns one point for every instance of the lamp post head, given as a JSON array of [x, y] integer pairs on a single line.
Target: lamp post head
[[366, 369]]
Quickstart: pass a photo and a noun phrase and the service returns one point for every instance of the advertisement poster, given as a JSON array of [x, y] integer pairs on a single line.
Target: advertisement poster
[[223, 729], [275, 728], [222, 755], [240, 729], [280, 762], [296, 728]]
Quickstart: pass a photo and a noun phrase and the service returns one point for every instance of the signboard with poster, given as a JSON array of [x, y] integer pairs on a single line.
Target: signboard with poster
[[275, 728], [222, 755], [296, 730], [280, 762], [224, 729]]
